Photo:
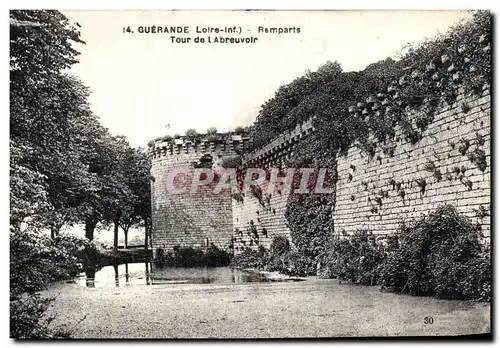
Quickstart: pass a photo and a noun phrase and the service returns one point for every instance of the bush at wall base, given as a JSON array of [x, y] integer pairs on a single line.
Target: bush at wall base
[[439, 255], [279, 259], [191, 257], [357, 259]]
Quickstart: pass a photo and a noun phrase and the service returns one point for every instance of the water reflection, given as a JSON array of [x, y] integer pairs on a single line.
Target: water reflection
[[126, 275], [146, 273], [90, 278], [117, 277]]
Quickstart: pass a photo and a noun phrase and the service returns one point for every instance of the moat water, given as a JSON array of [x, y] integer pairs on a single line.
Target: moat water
[[141, 300], [146, 273]]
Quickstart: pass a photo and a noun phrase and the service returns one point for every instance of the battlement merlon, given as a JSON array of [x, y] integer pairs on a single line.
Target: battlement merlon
[[282, 143], [203, 143]]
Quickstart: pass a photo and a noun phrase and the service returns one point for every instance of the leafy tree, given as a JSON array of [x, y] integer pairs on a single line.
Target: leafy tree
[[240, 130], [119, 200], [191, 133], [107, 196], [44, 103], [212, 131], [28, 197], [142, 189], [138, 207], [65, 167], [41, 43]]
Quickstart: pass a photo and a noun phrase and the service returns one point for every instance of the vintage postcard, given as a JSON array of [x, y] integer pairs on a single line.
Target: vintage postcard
[[249, 174]]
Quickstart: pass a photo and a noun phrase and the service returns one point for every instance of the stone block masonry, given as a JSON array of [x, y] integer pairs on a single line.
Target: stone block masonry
[[190, 219], [377, 193], [266, 218]]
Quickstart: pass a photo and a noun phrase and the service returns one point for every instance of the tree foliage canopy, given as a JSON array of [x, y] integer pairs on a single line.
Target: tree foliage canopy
[[65, 167]]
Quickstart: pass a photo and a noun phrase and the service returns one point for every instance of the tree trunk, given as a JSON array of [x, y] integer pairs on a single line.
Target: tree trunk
[[58, 228], [90, 225], [55, 230], [125, 231], [150, 231], [147, 231], [115, 237]]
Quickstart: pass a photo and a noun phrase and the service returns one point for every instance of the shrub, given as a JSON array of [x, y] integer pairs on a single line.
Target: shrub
[[26, 317], [280, 260], [184, 257], [291, 264], [439, 255], [250, 258], [84, 250], [215, 257], [476, 283], [191, 257], [280, 245], [357, 259], [288, 262], [35, 261]]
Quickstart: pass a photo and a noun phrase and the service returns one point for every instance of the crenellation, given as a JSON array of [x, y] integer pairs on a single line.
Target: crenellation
[[225, 143], [285, 140]]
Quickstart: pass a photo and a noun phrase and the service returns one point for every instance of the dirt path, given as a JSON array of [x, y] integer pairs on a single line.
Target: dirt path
[[313, 308]]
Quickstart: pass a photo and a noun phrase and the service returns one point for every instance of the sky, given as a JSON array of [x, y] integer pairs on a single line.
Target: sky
[[144, 86]]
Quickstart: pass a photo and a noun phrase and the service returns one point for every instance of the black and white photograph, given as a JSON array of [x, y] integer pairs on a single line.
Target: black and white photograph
[[250, 174]]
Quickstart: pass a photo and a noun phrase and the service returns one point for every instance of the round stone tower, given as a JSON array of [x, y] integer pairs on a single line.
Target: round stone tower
[[191, 219]]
